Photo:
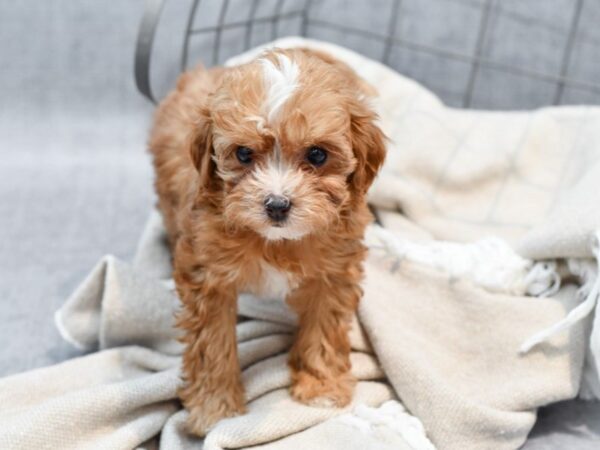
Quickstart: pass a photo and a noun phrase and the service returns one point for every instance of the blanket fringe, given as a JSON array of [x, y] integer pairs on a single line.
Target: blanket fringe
[[543, 279], [590, 290], [490, 263], [391, 415]]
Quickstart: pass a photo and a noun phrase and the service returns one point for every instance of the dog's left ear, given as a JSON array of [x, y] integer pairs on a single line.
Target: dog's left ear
[[201, 150], [368, 145]]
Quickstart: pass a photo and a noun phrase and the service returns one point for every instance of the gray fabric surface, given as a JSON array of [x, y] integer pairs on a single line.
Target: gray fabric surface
[[75, 180], [74, 175]]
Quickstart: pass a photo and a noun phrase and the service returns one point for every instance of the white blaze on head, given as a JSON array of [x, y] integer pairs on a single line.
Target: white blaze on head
[[280, 83]]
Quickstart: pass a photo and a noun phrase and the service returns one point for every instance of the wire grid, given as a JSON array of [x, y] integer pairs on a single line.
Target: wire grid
[[475, 57]]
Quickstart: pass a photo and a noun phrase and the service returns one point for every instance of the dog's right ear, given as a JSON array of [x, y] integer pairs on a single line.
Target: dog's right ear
[[201, 149]]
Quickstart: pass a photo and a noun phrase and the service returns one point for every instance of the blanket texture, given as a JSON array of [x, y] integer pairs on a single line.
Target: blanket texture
[[445, 312]]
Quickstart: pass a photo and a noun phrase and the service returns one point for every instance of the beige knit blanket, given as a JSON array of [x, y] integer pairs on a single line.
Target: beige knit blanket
[[465, 198]]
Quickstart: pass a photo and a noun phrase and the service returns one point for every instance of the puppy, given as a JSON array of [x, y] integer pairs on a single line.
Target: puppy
[[261, 174]]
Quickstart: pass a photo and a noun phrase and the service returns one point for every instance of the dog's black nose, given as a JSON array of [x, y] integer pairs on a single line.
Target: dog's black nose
[[277, 207]]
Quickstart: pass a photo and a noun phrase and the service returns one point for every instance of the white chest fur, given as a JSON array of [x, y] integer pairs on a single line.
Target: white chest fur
[[274, 284]]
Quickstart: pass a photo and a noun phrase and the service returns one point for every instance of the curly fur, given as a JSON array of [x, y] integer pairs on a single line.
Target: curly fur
[[223, 242]]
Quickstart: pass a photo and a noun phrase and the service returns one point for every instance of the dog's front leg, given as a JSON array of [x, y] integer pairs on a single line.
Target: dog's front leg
[[212, 386], [320, 356]]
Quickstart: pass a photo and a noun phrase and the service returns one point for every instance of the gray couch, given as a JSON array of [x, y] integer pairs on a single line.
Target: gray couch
[[76, 183]]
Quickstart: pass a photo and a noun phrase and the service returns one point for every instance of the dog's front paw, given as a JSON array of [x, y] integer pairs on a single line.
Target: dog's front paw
[[322, 392], [202, 417]]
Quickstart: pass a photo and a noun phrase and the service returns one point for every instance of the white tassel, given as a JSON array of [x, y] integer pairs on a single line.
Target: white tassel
[[490, 263], [543, 279], [576, 314], [591, 288], [392, 416]]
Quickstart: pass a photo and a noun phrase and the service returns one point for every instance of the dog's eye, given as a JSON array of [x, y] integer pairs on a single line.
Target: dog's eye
[[316, 156], [244, 155]]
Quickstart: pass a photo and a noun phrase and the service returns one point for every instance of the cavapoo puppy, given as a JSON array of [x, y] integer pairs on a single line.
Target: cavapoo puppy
[[261, 174]]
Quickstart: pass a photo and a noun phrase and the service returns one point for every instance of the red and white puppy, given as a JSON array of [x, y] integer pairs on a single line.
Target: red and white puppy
[[261, 173]]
